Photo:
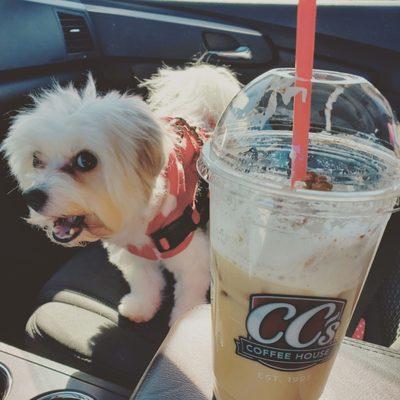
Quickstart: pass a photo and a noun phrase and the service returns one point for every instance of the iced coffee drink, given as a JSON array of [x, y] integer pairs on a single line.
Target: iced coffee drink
[[284, 289], [288, 265]]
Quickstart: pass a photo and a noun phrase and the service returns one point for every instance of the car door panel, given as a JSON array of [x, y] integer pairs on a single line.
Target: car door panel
[[354, 36], [144, 36]]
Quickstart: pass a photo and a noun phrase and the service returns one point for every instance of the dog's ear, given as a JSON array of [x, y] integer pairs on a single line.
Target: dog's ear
[[151, 159], [141, 143], [149, 139]]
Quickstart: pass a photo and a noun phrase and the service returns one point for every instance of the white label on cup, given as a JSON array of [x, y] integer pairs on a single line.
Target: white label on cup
[[290, 333]]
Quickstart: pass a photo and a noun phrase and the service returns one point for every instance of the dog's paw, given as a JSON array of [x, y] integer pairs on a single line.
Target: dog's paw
[[138, 309]]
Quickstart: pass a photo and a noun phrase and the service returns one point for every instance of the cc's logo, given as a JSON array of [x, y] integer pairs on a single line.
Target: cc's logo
[[290, 332]]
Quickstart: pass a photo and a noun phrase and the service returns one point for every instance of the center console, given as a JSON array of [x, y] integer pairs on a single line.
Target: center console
[[65, 395], [5, 381], [25, 376]]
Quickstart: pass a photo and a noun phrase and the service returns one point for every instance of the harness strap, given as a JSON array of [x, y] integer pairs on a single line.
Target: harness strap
[[171, 236]]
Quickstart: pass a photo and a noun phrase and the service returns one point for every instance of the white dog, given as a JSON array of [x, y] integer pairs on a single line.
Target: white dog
[[99, 167]]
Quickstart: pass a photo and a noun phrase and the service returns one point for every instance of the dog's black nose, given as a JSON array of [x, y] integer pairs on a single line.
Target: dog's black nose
[[35, 198]]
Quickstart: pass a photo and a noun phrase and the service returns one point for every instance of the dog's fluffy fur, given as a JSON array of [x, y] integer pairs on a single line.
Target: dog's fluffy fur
[[124, 191]]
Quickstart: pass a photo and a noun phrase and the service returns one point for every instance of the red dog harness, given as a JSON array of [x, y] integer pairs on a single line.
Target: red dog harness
[[185, 206]]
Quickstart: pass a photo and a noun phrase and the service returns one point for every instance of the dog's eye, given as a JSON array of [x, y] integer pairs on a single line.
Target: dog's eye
[[85, 161], [36, 161]]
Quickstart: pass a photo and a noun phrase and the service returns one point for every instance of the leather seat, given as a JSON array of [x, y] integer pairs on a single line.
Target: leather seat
[[77, 321]]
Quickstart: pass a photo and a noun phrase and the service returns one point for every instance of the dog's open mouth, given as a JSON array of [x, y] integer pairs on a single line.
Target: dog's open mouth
[[66, 229]]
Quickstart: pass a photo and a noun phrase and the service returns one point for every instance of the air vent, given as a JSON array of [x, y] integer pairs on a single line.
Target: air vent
[[76, 33]]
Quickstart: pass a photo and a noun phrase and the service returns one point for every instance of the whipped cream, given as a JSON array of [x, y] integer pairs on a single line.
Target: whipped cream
[[324, 255]]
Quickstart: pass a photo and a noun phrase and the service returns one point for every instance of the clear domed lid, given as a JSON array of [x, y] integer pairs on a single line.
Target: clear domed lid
[[349, 117]]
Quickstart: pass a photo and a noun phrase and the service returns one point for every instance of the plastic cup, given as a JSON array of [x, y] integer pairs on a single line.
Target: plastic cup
[[289, 265]]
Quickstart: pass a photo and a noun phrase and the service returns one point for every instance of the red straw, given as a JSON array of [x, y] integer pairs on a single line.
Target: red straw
[[305, 39]]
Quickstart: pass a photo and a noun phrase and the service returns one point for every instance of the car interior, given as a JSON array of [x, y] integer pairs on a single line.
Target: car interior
[[58, 305]]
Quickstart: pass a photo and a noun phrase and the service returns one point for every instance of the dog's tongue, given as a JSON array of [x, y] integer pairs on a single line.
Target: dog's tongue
[[68, 228]]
